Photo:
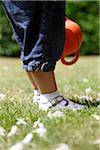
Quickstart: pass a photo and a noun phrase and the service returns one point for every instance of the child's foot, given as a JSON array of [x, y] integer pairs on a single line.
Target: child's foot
[[59, 102], [46, 101]]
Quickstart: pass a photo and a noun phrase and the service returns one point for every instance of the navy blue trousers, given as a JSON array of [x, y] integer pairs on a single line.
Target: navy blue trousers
[[39, 29]]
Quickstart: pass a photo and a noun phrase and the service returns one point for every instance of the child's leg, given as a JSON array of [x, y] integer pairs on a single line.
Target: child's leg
[[42, 81], [43, 84], [45, 81], [29, 73]]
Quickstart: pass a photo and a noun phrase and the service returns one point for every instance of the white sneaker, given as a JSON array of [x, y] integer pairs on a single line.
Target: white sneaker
[[59, 102]]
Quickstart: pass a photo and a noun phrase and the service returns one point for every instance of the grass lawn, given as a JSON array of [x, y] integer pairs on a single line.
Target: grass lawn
[[79, 130]]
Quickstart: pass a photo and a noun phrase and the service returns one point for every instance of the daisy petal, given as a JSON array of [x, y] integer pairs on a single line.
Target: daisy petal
[[63, 146], [13, 131]]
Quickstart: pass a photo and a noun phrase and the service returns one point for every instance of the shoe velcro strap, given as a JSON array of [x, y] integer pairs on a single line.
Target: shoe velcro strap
[[56, 100]]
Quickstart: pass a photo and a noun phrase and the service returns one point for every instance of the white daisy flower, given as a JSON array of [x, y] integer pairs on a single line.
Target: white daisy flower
[[21, 121], [2, 131], [85, 80], [12, 99], [2, 96], [41, 131], [97, 117], [39, 128], [18, 146], [88, 91], [27, 138], [98, 95], [56, 114], [5, 68], [96, 142], [98, 99], [63, 146], [98, 106], [13, 131]]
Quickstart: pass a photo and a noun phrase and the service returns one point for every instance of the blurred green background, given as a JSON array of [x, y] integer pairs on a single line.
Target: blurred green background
[[85, 13]]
